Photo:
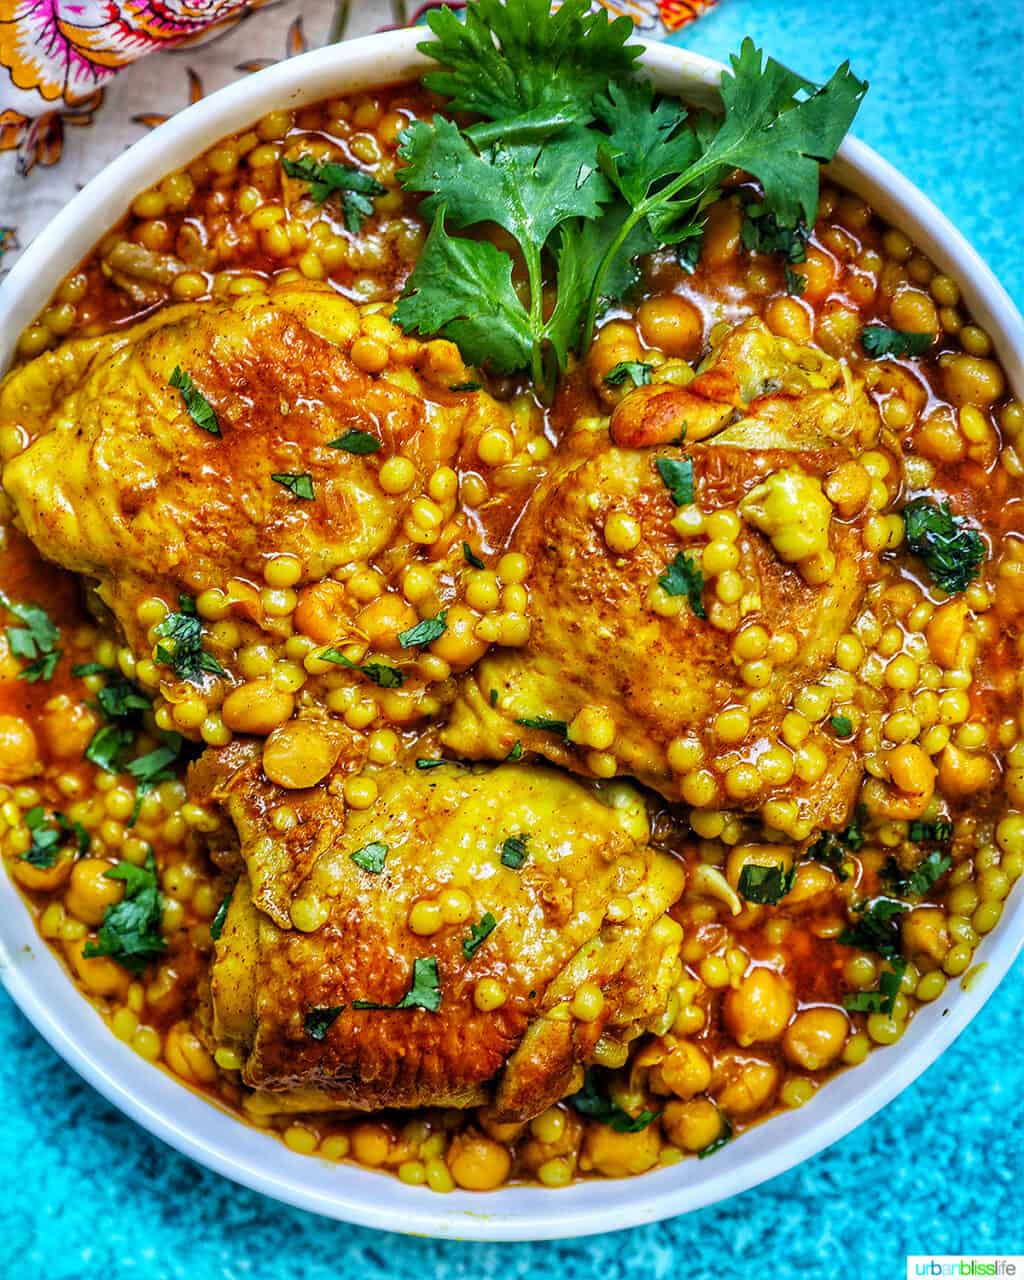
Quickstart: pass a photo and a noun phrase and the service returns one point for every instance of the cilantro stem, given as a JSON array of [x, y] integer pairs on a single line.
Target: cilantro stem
[[531, 254]]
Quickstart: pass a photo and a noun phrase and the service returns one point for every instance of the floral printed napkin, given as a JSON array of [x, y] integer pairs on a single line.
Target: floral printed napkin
[[75, 88]]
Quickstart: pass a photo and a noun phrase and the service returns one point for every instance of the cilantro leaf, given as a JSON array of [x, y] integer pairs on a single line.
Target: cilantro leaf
[[326, 179], [514, 851], [108, 745], [196, 404], [130, 932], [876, 928], [35, 642], [842, 726], [516, 753], [683, 577], [930, 832], [521, 60], [378, 673], [471, 557], [761, 232], [951, 550], [220, 917], [796, 282], [422, 763], [916, 883], [465, 386], [186, 655], [636, 371], [48, 841], [544, 723], [593, 1102], [878, 340], [300, 484], [478, 934], [317, 1022], [884, 999], [677, 476], [423, 633], [424, 991], [353, 441], [371, 856], [462, 290], [766, 885]]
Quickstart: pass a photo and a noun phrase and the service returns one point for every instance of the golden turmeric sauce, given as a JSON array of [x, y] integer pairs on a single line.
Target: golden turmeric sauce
[[221, 228]]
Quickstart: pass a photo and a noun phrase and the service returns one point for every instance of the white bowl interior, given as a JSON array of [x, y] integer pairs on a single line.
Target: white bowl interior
[[38, 984]]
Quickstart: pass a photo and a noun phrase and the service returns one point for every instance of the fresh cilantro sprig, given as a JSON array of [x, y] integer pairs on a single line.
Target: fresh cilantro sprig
[[916, 883], [684, 577], [424, 990], [878, 341], [355, 188], [587, 169], [50, 834]]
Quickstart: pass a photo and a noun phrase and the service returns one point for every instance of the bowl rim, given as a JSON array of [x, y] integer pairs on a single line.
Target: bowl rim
[[199, 1129]]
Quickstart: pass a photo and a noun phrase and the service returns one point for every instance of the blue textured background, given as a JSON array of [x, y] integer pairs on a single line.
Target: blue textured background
[[89, 1194]]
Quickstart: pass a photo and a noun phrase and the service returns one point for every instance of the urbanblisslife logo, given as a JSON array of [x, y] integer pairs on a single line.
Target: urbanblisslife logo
[[965, 1265]]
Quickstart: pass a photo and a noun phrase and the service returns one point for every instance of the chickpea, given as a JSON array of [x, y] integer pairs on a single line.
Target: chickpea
[[746, 1085], [820, 273], [760, 1007], [98, 974], [618, 1155], [721, 241], [459, 646], [692, 1125], [911, 770], [299, 754], [478, 1163], [925, 933], [67, 727], [91, 891], [963, 773], [43, 879], [19, 752], [615, 343], [684, 1071], [256, 707], [815, 1038], [787, 317], [320, 611], [973, 380], [382, 620], [914, 312], [671, 324]]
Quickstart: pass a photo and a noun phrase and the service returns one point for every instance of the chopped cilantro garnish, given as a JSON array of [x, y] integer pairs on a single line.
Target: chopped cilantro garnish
[[471, 557], [465, 386], [545, 724], [47, 840], [637, 371], [688, 251], [130, 932], [884, 999], [355, 187], [514, 851], [796, 281], [108, 745], [422, 763], [950, 549], [378, 673], [876, 928], [424, 991], [842, 726], [217, 923], [677, 476], [683, 577], [766, 885], [298, 483], [592, 1101], [35, 642], [930, 832], [516, 753], [425, 632], [196, 404], [353, 441], [478, 934], [317, 1022], [916, 883], [185, 654], [879, 340], [371, 856], [762, 232]]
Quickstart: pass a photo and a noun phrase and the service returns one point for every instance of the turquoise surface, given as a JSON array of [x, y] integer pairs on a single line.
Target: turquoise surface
[[939, 1171]]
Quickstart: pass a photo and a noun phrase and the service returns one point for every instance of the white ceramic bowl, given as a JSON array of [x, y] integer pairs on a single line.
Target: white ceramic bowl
[[39, 985]]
